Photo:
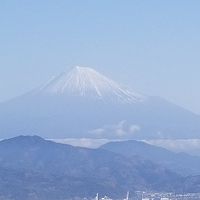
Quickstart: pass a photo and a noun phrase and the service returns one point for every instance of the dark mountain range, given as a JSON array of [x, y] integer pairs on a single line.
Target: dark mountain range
[[33, 168], [181, 163], [85, 104]]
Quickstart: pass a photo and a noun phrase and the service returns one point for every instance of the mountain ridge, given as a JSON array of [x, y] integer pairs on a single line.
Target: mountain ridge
[[31, 166], [181, 163]]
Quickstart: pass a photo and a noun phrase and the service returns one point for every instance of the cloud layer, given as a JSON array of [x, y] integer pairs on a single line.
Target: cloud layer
[[191, 146], [82, 142]]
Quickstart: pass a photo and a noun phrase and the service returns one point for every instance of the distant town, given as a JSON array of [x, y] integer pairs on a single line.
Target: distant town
[[140, 195], [165, 196]]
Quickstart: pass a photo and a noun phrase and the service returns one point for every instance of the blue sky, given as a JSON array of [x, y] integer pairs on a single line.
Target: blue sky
[[152, 46]]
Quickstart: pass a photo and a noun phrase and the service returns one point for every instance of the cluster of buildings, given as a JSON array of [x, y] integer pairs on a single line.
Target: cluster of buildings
[[165, 196], [155, 196]]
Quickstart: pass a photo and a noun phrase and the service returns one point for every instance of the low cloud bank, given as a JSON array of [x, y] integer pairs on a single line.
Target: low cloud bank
[[82, 142], [191, 146]]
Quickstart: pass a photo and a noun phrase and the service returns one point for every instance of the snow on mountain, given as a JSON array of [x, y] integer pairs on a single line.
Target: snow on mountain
[[86, 82], [85, 104]]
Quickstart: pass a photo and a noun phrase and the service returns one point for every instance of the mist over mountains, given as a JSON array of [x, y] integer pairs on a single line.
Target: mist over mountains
[[83, 103]]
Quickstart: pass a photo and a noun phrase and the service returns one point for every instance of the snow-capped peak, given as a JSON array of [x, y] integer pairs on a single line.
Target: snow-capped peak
[[85, 81]]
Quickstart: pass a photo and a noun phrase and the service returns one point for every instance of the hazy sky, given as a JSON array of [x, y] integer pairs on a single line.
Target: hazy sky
[[150, 45]]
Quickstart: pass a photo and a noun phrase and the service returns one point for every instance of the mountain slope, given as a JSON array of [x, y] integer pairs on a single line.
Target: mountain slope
[[34, 168], [181, 163], [86, 82], [86, 104]]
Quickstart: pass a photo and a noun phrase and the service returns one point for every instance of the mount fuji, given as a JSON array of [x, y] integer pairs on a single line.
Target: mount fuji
[[86, 82], [83, 103]]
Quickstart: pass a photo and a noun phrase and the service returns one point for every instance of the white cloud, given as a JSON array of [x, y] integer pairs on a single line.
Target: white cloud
[[82, 142], [120, 130], [191, 146], [134, 128]]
